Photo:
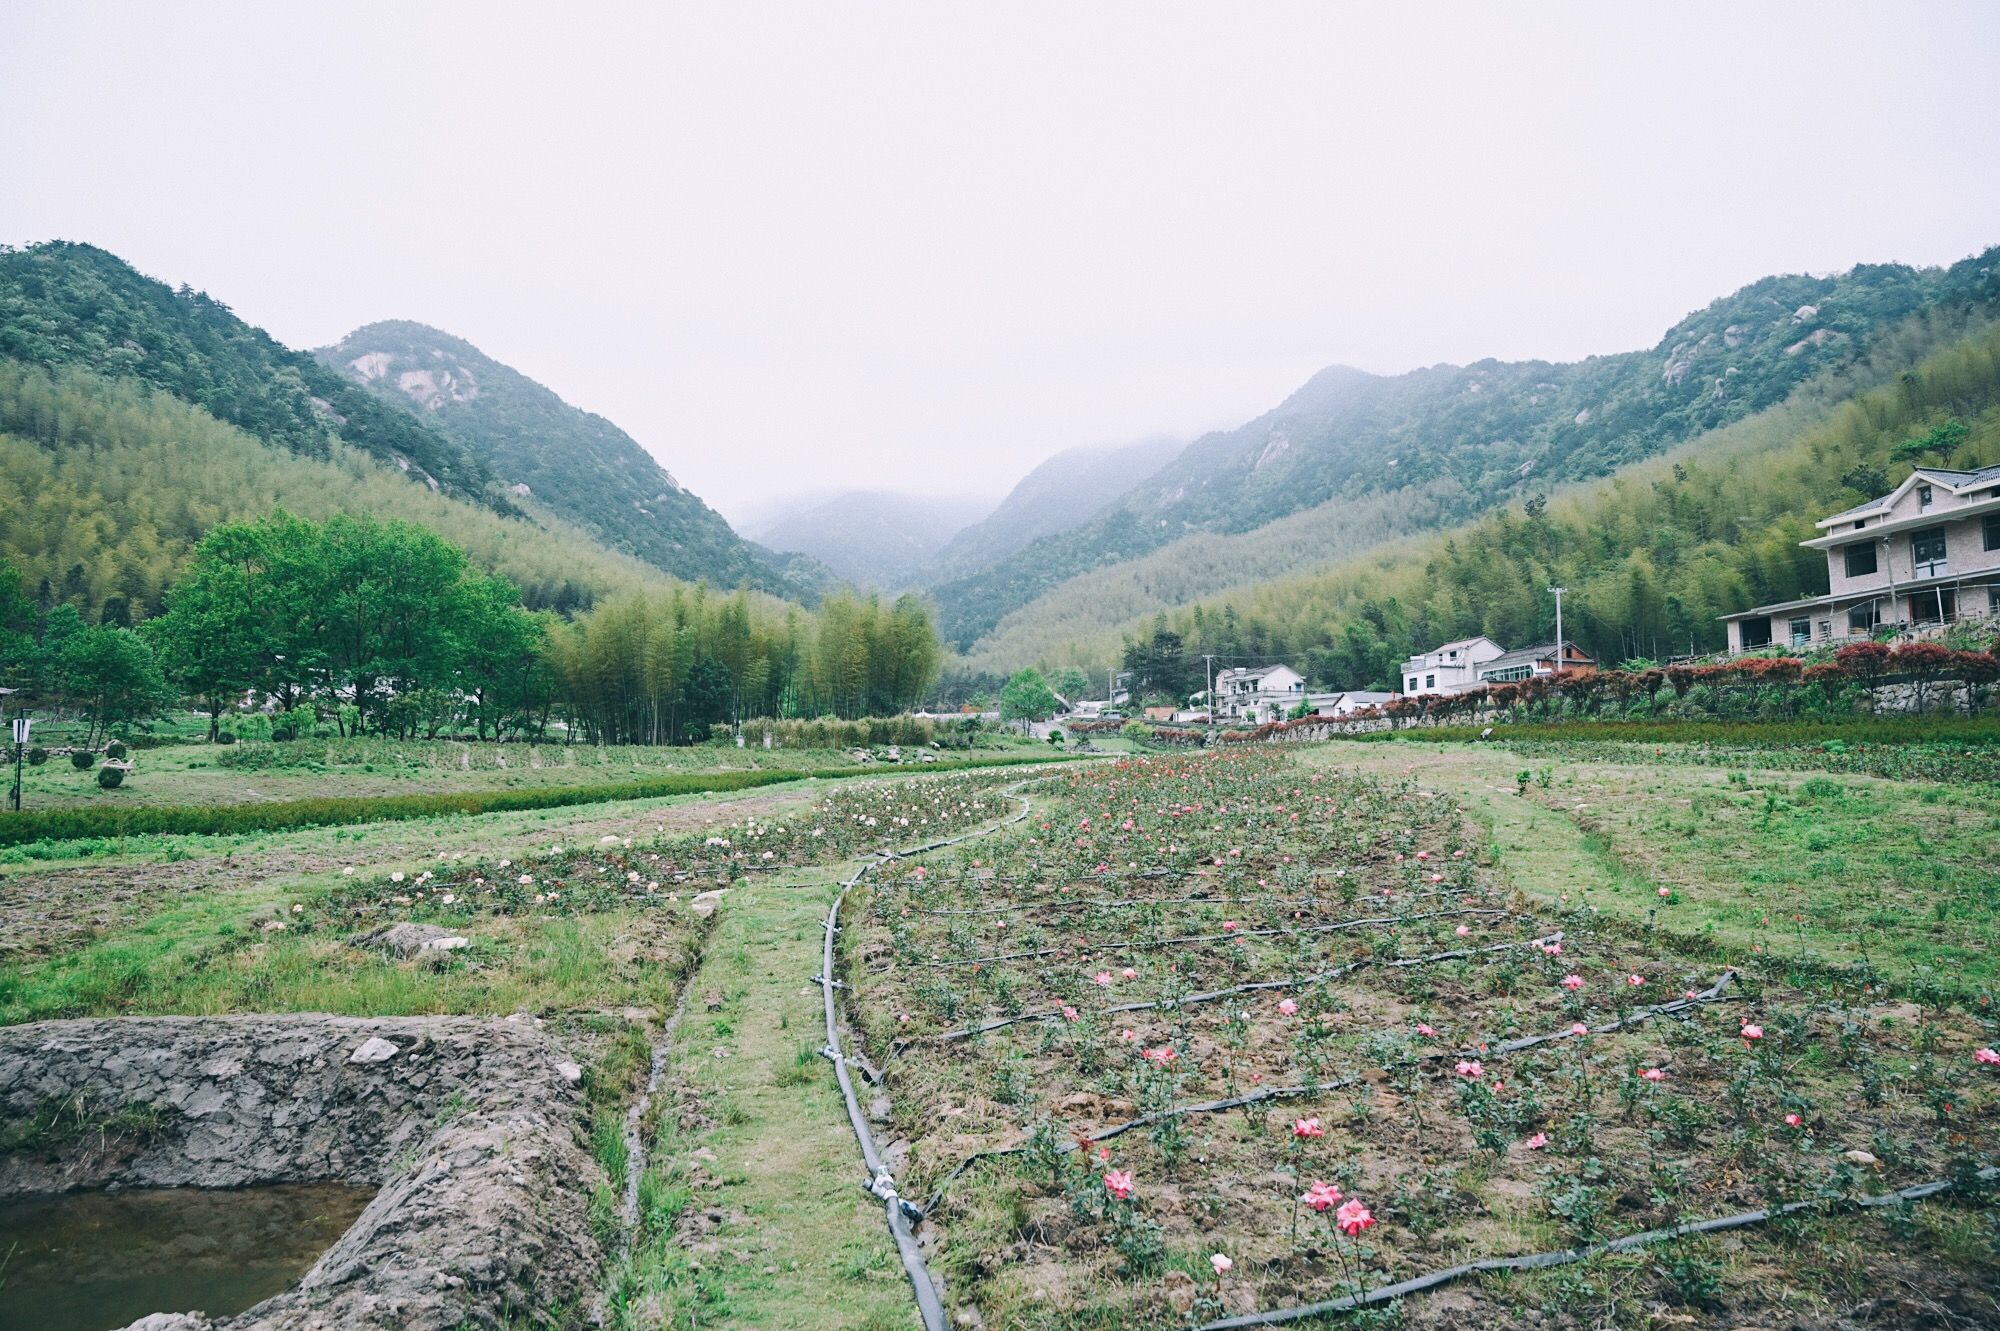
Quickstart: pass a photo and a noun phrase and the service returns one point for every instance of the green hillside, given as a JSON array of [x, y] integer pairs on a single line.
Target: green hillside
[[1474, 437], [108, 484], [1650, 555], [64, 304], [575, 464]]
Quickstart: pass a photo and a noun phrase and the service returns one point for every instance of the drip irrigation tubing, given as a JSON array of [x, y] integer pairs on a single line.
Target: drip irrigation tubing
[[1400, 963], [1145, 944], [881, 1183], [1712, 994], [1565, 1256]]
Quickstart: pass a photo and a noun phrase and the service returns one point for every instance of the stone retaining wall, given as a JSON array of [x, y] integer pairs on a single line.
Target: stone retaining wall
[[475, 1130]]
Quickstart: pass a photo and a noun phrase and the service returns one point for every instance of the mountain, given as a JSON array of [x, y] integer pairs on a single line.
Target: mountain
[[576, 465], [1061, 493], [873, 538], [70, 305], [1473, 437]]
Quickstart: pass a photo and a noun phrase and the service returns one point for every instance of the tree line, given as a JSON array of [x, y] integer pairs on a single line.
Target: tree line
[[383, 627]]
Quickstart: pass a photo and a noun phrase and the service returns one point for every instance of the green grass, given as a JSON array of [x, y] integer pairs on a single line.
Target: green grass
[[801, 1245], [120, 820], [1812, 870]]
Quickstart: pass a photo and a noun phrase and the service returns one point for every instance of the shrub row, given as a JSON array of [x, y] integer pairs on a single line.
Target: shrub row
[[1975, 731], [279, 815]]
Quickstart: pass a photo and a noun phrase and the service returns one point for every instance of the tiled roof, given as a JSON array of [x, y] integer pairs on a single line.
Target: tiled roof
[[1959, 479]]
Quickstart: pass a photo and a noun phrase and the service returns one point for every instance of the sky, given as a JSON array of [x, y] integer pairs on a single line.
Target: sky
[[925, 246]]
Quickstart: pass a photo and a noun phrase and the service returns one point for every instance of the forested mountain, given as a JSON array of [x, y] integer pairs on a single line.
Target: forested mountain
[[1062, 492], [1473, 437], [1650, 556], [64, 304], [575, 464], [108, 484], [872, 538]]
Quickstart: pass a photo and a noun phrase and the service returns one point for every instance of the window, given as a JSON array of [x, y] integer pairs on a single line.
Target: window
[[1430, 681], [1992, 531], [1860, 559], [1993, 599], [1756, 633], [1927, 551], [1410, 685], [1801, 632], [1862, 619], [1825, 630], [1939, 605], [1923, 499]]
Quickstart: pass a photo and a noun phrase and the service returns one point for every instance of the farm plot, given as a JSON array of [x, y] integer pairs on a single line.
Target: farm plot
[[1219, 1035]]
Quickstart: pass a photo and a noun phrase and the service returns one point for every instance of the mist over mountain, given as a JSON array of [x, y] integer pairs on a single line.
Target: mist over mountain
[[883, 539], [1060, 493]]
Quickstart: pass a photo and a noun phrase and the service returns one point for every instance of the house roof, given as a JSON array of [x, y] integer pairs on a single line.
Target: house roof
[[1527, 656], [1956, 481], [1977, 578], [1252, 672]]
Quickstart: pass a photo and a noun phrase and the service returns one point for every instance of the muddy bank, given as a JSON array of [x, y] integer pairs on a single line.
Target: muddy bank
[[473, 1130]]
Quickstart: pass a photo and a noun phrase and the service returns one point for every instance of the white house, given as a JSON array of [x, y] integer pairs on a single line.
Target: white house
[[1259, 693], [1452, 668], [1923, 555], [1346, 704]]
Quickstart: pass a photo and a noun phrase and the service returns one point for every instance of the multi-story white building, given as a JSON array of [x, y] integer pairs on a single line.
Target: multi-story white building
[[1260, 693], [1925, 554], [1452, 668]]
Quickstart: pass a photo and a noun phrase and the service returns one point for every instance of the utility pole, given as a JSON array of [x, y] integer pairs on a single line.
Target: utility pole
[[1559, 628], [22, 724], [1208, 662]]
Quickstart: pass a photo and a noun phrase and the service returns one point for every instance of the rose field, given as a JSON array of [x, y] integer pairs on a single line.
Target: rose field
[[1230, 1036]]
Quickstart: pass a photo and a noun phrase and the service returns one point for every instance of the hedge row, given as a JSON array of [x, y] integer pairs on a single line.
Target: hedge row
[[333, 811], [1977, 731]]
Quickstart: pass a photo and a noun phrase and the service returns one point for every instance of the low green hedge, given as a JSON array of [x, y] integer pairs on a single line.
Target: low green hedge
[[1980, 730], [279, 815]]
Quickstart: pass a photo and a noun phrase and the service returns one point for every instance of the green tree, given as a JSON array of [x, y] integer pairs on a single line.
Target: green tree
[[1940, 442], [1027, 697], [112, 674]]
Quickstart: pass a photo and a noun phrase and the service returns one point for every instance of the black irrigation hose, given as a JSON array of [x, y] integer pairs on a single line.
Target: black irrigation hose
[[967, 1032], [881, 1183], [1565, 1256], [1143, 944], [1712, 994]]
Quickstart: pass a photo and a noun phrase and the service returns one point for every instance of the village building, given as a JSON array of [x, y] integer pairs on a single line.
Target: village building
[[1924, 555], [1525, 662], [1348, 703], [1258, 693], [1452, 668]]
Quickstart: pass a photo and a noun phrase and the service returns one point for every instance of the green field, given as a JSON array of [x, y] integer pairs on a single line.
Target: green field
[[1847, 901]]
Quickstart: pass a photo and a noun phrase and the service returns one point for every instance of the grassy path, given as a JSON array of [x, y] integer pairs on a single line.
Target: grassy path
[[1793, 864], [773, 1227]]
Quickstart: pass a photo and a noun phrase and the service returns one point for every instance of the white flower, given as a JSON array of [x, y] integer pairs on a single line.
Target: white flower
[[348, 871], [525, 879], [447, 898]]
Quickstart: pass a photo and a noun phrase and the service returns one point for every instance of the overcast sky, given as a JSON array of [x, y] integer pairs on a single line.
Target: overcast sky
[[793, 247]]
